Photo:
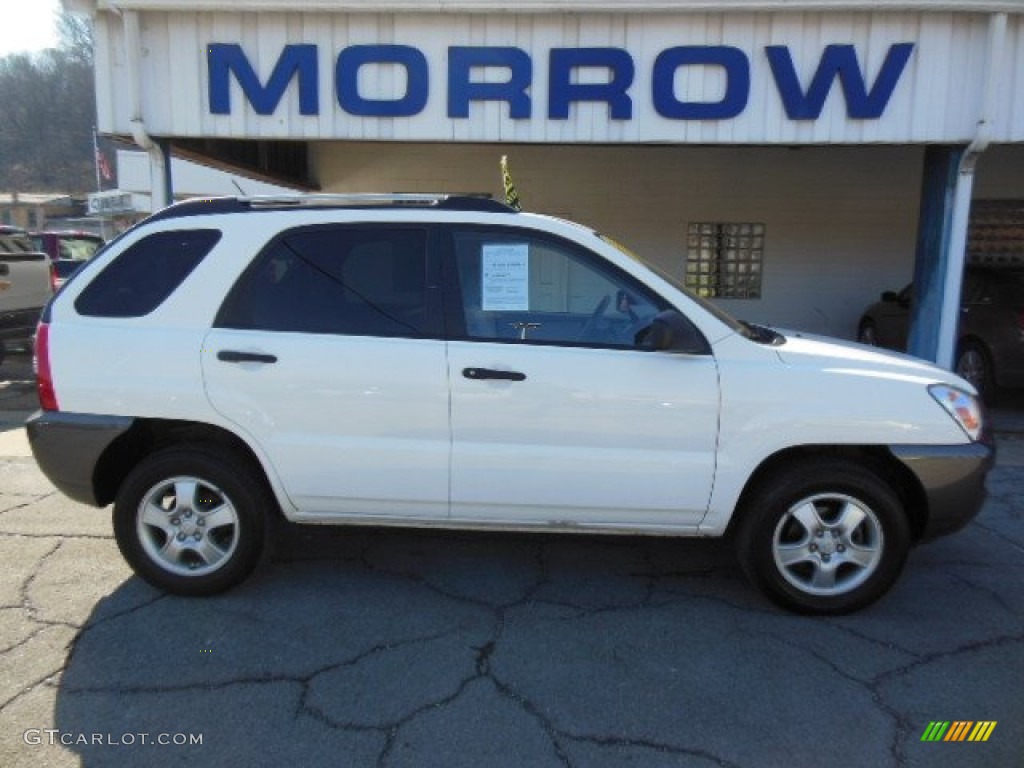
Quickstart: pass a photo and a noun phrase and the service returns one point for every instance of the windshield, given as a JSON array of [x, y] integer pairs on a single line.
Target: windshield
[[736, 325]]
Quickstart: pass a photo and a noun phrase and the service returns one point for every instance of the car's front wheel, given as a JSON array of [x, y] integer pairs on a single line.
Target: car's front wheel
[[192, 522], [823, 537], [974, 364], [867, 333]]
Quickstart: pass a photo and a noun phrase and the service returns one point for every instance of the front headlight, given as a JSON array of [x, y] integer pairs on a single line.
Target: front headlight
[[963, 407]]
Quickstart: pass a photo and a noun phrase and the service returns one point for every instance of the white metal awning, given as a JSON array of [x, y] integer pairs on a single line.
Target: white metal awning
[[550, 6]]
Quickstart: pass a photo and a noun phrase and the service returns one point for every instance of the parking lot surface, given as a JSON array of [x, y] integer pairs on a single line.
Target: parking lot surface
[[376, 647]]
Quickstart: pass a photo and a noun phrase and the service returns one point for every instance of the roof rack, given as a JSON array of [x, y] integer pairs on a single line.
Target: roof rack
[[238, 204]]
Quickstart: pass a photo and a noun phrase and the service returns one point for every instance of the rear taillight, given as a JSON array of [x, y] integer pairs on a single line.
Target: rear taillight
[[44, 377], [53, 277]]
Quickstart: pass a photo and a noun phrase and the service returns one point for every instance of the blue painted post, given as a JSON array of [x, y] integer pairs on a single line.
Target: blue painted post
[[938, 267]]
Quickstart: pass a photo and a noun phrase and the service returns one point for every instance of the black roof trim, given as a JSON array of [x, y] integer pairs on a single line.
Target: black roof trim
[[467, 203], [199, 207], [222, 205]]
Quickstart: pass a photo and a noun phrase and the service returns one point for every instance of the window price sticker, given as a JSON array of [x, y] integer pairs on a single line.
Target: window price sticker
[[505, 277]]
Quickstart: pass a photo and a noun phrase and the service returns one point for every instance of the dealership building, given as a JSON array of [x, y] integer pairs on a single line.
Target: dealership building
[[790, 159]]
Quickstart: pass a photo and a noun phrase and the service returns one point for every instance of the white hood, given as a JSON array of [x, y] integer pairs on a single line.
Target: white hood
[[823, 352]]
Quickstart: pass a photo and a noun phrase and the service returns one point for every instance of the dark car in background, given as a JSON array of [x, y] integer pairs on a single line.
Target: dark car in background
[[990, 339], [63, 269]]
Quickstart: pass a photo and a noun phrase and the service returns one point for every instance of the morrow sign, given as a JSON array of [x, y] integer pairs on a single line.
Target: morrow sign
[[478, 74]]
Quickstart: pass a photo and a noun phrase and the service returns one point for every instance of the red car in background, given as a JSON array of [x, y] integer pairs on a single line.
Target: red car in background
[[67, 244], [68, 250]]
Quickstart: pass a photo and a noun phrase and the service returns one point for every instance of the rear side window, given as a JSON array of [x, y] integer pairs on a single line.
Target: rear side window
[[143, 276], [359, 281]]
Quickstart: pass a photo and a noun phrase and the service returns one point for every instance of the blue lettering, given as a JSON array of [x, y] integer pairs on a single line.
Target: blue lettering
[[417, 88], [562, 91], [737, 82], [298, 64], [461, 90], [841, 61], [224, 59]]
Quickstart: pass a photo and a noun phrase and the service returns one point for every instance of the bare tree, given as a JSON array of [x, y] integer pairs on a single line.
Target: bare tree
[[75, 33], [49, 105]]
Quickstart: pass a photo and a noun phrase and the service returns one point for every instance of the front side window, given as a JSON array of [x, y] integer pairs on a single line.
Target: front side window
[[142, 277], [524, 287], [355, 281]]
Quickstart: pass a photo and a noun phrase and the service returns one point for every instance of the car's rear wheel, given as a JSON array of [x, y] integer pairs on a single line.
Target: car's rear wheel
[[192, 522], [823, 537]]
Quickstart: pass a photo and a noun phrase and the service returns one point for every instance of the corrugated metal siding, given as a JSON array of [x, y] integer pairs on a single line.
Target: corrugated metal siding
[[937, 98], [554, 6]]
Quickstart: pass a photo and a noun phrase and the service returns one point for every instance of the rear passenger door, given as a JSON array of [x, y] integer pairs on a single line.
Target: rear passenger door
[[328, 352]]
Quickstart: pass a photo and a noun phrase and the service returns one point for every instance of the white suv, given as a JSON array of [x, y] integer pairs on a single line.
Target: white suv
[[449, 361]]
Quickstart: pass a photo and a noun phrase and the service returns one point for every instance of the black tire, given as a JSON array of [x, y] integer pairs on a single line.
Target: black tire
[[861, 536], [192, 521], [974, 363]]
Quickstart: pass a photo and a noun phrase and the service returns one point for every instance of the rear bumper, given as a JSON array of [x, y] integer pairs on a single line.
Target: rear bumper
[[69, 447], [953, 480]]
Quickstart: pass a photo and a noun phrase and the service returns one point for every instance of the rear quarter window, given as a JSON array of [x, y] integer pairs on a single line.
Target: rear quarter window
[[142, 277]]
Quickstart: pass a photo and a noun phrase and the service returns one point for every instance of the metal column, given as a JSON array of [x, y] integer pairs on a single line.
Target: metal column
[[948, 180]]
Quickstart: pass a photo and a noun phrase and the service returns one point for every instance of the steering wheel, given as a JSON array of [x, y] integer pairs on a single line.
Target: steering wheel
[[591, 324]]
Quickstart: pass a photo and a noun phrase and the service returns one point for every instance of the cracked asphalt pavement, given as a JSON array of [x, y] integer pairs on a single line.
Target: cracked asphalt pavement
[[373, 647]]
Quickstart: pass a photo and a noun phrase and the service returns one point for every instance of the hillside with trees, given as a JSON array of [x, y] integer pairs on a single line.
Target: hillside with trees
[[47, 114]]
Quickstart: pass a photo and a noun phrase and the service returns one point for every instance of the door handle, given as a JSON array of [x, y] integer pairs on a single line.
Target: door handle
[[234, 356], [478, 374]]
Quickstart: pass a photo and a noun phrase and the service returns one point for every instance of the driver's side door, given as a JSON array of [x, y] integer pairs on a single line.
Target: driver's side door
[[558, 415]]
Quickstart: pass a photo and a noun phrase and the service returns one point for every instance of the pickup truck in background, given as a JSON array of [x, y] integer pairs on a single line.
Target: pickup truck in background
[[26, 284]]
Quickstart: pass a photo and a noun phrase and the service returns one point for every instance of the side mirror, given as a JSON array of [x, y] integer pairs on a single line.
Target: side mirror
[[890, 296], [670, 331]]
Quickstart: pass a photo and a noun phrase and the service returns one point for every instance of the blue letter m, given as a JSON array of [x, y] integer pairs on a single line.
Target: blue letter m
[[224, 59], [838, 60]]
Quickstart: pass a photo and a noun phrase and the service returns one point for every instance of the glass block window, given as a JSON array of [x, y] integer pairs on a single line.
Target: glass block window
[[995, 235], [724, 260]]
